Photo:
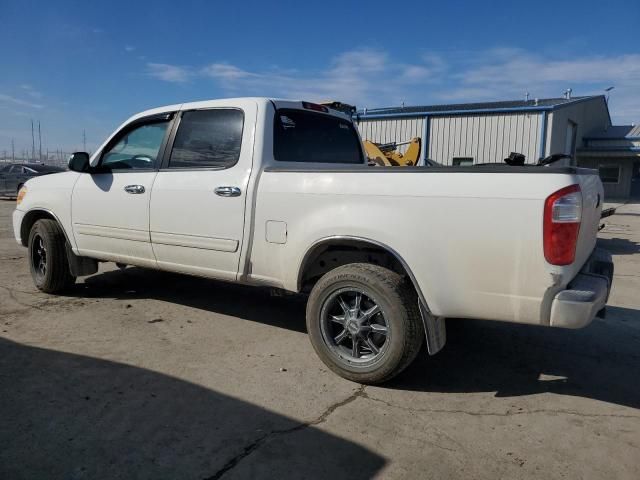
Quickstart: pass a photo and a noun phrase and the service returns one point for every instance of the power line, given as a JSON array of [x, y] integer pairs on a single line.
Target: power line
[[39, 143], [33, 142]]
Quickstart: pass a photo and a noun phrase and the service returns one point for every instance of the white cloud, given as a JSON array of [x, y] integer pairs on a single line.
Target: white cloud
[[372, 78], [17, 101], [169, 73], [362, 76], [509, 73], [224, 71], [129, 48], [29, 90]]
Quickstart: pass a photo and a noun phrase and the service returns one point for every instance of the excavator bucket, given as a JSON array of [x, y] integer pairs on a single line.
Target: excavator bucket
[[387, 154], [412, 155]]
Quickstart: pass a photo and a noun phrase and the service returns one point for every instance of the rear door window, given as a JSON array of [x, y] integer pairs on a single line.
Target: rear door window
[[301, 136], [208, 139]]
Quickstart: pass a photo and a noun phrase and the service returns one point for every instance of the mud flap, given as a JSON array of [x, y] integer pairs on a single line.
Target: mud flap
[[80, 266], [434, 329]]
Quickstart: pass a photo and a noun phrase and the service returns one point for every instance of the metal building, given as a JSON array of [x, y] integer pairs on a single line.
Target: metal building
[[471, 133], [615, 152], [463, 134]]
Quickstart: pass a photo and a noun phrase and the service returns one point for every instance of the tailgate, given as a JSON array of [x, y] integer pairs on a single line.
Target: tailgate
[[592, 199]]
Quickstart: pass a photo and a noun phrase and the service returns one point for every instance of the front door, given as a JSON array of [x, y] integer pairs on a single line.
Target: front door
[[198, 197], [110, 206]]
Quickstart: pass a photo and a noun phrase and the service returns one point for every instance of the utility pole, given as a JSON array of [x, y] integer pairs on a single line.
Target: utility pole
[[84, 140], [39, 143], [13, 150], [33, 142]]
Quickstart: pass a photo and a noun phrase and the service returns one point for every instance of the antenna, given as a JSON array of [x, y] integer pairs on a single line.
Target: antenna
[[608, 90]]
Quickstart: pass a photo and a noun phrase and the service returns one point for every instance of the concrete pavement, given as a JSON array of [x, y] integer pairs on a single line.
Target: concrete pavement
[[140, 374]]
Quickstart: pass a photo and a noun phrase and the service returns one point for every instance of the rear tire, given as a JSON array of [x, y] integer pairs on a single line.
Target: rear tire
[[363, 322], [48, 260]]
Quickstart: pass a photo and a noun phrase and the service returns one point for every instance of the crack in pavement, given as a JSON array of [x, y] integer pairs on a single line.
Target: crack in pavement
[[498, 414], [12, 296], [253, 446]]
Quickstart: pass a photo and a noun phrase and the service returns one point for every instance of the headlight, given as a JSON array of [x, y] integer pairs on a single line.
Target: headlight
[[21, 194]]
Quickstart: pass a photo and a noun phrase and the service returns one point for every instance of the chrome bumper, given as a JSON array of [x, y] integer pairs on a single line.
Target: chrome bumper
[[17, 217], [586, 295]]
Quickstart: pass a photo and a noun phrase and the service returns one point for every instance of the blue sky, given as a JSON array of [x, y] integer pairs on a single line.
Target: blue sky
[[89, 65]]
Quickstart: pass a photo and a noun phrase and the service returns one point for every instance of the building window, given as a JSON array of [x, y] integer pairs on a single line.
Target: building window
[[462, 161], [609, 174]]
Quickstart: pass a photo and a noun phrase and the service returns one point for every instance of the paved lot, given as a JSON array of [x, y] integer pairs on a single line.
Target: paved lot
[[139, 374]]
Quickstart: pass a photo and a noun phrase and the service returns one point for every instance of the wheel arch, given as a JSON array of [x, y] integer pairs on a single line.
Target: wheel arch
[[31, 217], [434, 327], [352, 243]]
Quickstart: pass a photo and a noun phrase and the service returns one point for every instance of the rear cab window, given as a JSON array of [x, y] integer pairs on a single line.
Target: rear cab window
[[310, 137]]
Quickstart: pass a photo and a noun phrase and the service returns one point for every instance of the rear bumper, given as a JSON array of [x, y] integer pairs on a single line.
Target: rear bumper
[[586, 294]]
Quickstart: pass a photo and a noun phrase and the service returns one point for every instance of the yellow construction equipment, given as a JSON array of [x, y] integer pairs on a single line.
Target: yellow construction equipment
[[383, 154], [387, 154]]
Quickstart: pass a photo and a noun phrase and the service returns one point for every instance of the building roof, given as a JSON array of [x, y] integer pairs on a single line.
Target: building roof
[[508, 105], [617, 132]]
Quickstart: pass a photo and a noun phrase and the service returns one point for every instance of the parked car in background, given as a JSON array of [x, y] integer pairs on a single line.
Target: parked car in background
[[13, 176]]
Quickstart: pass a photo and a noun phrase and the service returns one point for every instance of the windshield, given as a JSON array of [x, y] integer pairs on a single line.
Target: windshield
[[301, 136]]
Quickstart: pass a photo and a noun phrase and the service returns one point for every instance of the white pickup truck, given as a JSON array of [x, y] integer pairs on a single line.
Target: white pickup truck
[[278, 193]]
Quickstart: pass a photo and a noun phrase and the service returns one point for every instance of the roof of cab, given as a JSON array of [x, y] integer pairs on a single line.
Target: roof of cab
[[277, 102]]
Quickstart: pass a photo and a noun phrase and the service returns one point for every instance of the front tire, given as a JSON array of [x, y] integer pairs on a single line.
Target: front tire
[[48, 260], [364, 323]]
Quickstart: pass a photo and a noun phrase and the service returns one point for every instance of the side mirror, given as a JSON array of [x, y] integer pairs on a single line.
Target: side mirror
[[79, 162]]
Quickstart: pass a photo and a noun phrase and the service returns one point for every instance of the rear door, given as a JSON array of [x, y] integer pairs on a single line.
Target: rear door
[[198, 198], [110, 206]]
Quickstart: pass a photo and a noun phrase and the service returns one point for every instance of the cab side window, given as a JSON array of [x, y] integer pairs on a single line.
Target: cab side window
[[208, 139], [136, 148]]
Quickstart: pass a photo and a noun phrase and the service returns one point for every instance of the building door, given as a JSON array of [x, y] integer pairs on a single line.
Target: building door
[[570, 140], [635, 180]]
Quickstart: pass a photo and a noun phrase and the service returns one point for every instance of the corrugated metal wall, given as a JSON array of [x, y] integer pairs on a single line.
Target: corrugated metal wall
[[391, 130], [612, 190], [485, 138]]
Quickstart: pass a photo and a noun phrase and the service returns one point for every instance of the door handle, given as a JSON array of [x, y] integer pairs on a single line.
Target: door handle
[[228, 191], [134, 189]]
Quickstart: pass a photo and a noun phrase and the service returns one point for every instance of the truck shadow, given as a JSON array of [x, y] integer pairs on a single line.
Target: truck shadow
[[72, 416], [619, 246], [601, 361]]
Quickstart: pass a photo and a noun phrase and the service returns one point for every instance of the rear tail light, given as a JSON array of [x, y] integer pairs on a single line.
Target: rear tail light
[[562, 217]]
